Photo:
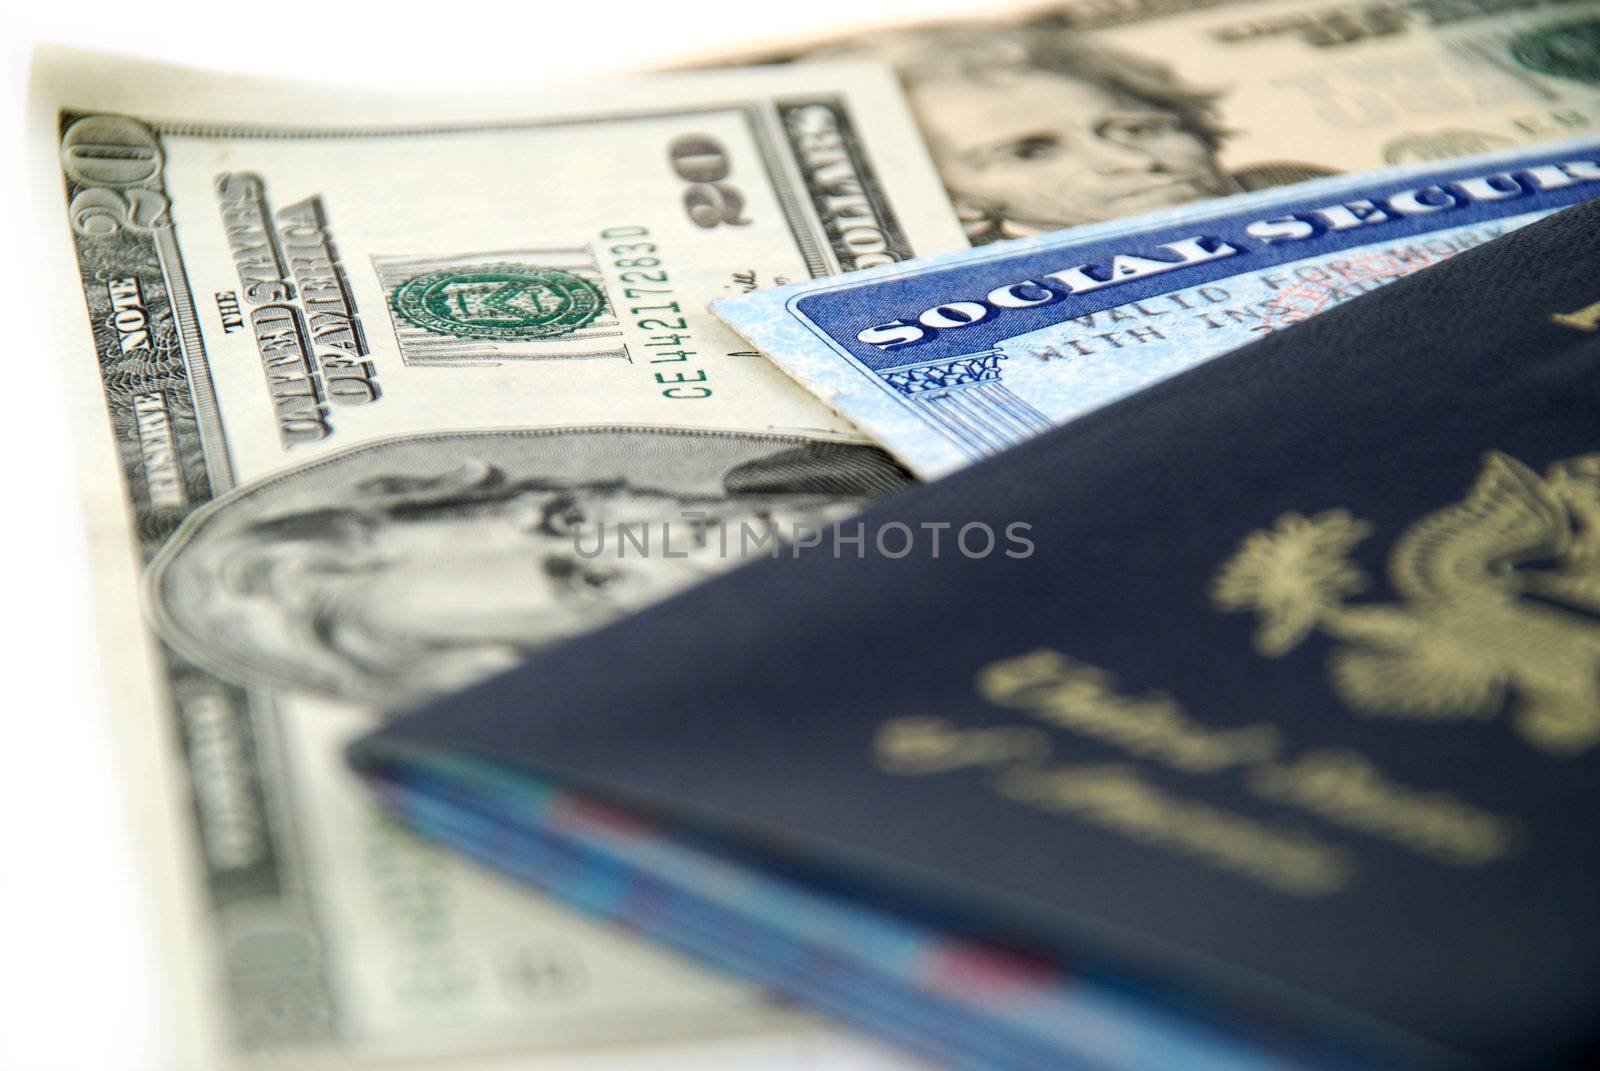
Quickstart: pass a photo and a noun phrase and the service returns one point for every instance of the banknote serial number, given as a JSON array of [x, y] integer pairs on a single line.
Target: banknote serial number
[[650, 300]]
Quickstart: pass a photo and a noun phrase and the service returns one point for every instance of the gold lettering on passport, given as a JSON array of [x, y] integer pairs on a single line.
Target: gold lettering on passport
[[1349, 790], [1081, 698], [1584, 319], [934, 745], [1338, 786], [1498, 597], [1117, 796]]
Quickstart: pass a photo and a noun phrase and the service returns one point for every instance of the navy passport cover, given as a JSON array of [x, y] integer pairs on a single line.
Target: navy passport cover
[[1296, 701]]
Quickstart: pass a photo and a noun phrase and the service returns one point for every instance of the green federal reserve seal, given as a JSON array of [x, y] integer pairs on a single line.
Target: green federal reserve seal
[[512, 302], [1566, 50]]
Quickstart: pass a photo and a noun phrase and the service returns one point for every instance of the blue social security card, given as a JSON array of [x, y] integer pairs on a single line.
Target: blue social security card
[[947, 359]]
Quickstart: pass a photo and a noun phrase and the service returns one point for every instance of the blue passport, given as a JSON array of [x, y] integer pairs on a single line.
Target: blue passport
[[1250, 722]]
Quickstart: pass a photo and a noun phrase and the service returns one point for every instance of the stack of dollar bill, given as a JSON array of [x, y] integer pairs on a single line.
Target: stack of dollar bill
[[357, 385]]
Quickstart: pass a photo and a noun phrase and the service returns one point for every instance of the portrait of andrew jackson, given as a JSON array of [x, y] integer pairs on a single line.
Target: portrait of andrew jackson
[[399, 569]]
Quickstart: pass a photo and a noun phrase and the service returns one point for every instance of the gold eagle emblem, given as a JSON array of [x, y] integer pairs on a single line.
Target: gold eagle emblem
[[1501, 603]]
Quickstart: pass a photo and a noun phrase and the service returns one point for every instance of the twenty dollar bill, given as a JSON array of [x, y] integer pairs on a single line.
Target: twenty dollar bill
[[350, 371], [1087, 110]]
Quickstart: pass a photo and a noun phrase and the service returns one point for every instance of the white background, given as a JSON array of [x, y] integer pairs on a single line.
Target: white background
[[77, 988]]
